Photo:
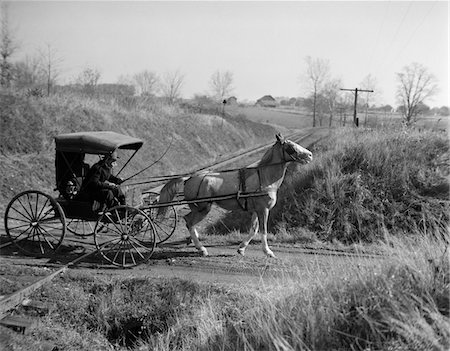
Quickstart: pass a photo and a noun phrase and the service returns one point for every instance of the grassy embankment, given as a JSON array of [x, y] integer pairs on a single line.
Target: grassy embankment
[[28, 126], [388, 187]]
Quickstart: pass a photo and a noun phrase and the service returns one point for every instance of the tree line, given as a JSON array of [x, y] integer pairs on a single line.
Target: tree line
[[39, 75]]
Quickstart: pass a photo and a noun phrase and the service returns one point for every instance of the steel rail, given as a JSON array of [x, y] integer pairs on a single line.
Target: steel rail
[[11, 301]]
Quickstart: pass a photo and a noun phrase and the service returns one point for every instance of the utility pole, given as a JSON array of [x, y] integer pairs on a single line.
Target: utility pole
[[356, 90]]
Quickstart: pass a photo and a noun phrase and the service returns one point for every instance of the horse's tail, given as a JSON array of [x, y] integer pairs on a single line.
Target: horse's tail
[[169, 191]]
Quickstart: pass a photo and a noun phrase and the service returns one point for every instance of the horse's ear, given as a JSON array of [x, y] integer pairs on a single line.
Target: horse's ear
[[280, 138]]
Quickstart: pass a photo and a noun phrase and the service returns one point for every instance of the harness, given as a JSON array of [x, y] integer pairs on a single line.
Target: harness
[[241, 196]]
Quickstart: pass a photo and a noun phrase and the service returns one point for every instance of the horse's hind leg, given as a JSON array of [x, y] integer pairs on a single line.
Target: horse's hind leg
[[194, 217], [253, 231]]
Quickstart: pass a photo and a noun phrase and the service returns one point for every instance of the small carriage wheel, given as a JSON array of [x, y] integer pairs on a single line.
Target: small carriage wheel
[[81, 228], [130, 239], [165, 223], [35, 223]]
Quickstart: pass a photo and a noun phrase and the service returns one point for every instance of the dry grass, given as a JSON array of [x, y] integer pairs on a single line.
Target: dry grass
[[400, 303]]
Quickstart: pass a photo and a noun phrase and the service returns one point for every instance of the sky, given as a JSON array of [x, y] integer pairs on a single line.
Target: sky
[[263, 44]]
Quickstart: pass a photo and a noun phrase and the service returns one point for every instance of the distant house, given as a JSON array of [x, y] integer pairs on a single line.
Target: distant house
[[266, 101], [231, 100]]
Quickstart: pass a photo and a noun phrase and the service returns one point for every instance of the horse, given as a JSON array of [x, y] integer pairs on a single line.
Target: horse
[[253, 188]]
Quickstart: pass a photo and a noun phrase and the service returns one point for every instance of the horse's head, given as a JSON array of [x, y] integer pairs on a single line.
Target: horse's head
[[292, 151]]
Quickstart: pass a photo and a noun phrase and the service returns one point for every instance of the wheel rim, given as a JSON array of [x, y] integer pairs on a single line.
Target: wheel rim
[[35, 223], [165, 224], [80, 227], [130, 239]]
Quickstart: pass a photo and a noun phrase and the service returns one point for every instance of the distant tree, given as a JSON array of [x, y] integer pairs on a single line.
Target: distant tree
[[317, 72], [369, 83], [444, 111], [50, 66], [221, 85], [26, 73], [146, 82], [88, 79], [330, 93], [7, 47], [171, 84], [415, 85]]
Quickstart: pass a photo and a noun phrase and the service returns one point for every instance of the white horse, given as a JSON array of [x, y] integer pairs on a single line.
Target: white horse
[[252, 189]]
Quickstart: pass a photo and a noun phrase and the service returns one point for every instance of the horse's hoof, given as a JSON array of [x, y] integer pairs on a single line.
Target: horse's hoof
[[270, 254], [241, 251], [203, 252]]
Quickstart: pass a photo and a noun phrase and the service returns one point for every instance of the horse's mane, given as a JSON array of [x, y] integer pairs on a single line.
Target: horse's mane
[[267, 157]]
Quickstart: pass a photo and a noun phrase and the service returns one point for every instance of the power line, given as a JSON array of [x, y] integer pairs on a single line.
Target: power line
[[356, 90]]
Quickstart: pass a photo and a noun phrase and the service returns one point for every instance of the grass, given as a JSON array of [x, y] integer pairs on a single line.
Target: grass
[[366, 182], [399, 303]]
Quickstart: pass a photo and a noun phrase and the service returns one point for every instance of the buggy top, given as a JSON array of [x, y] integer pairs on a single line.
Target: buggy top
[[97, 143], [72, 147]]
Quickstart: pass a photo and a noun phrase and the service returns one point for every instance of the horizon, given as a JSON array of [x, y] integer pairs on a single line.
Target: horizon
[[263, 44]]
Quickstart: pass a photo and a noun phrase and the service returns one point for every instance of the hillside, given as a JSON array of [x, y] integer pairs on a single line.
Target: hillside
[[28, 126]]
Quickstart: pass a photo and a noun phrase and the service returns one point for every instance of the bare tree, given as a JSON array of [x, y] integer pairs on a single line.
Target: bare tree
[[7, 47], [26, 73], [369, 83], [415, 85], [50, 66], [89, 78], [171, 84], [221, 84], [146, 82], [330, 93], [317, 72]]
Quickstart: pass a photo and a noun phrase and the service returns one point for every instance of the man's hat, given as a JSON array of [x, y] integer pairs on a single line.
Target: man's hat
[[113, 155]]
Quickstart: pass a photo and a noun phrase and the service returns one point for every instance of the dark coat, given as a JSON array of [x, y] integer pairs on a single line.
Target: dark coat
[[94, 185]]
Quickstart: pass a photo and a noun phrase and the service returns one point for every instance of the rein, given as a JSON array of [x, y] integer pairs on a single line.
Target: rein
[[152, 164]]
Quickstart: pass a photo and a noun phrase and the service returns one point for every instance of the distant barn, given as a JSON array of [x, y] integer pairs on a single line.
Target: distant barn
[[232, 100], [267, 101]]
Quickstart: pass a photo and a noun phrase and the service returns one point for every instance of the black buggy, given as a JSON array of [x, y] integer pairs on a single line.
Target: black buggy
[[37, 222]]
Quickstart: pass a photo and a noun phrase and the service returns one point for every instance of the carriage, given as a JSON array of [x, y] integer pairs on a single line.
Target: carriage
[[125, 236]]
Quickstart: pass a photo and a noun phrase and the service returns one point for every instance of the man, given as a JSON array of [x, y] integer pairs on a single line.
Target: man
[[101, 185]]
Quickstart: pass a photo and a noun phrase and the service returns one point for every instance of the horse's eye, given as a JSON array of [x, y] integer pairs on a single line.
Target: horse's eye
[[290, 149]]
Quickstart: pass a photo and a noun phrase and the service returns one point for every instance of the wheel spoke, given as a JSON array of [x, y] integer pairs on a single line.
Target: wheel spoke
[[19, 219], [20, 226], [24, 216], [28, 229], [42, 208], [40, 230], [136, 249], [30, 206]]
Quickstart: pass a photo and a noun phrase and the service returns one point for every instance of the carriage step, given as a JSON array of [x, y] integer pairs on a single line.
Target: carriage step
[[18, 323]]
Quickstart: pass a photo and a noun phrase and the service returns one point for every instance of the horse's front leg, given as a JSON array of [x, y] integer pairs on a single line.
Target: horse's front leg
[[263, 218], [253, 231], [192, 219]]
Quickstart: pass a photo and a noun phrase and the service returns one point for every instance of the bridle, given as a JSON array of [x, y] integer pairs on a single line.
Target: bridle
[[289, 150]]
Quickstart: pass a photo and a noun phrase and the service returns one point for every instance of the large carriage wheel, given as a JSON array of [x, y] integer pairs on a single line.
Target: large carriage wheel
[[130, 239], [35, 223], [166, 223]]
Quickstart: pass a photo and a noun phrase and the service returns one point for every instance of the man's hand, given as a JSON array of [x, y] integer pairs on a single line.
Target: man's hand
[[110, 185]]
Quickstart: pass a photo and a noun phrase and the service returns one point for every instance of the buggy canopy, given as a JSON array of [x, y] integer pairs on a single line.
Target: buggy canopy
[[96, 142]]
